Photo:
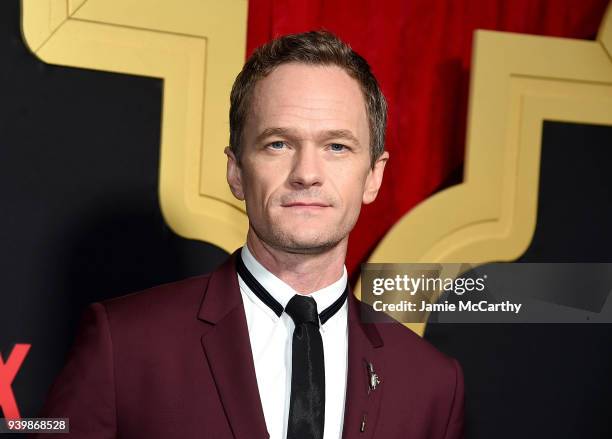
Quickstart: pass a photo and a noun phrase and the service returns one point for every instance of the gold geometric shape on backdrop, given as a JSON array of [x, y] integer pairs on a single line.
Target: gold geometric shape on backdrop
[[517, 82], [197, 47]]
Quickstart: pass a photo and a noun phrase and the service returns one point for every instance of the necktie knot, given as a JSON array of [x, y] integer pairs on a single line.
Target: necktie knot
[[302, 309]]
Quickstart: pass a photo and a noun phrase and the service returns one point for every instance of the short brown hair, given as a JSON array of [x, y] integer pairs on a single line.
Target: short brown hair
[[315, 48]]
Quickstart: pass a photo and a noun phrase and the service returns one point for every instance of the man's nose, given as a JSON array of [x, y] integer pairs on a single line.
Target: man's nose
[[307, 169]]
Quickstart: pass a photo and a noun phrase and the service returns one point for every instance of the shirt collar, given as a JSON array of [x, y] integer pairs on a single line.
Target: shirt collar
[[283, 292]]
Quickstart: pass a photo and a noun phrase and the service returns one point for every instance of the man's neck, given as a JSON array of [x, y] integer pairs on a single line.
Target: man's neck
[[305, 273]]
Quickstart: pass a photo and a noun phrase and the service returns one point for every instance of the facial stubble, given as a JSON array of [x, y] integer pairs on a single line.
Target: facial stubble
[[281, 239]]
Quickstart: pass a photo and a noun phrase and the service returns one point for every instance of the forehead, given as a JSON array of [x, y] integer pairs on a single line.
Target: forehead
[[309, 97]]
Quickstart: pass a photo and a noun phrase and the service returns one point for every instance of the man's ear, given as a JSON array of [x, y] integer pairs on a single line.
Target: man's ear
[[234, 174], [374, 178]]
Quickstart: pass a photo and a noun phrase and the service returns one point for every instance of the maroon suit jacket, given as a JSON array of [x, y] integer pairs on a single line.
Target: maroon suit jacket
[[175, 361]]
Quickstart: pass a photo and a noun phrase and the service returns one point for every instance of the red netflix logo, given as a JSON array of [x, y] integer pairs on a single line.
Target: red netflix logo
[[8, 371]]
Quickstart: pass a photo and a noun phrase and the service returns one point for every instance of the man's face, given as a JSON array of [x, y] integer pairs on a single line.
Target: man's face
[[305, 164]]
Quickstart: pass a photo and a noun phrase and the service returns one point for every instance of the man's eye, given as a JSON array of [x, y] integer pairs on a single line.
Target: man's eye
[[277, 145], [337, 147]]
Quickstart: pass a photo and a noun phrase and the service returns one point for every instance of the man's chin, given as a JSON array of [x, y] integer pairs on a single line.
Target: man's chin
[[307, 244], [297, 237]]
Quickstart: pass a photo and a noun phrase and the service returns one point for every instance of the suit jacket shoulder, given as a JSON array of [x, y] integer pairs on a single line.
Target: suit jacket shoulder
[[157, 306]]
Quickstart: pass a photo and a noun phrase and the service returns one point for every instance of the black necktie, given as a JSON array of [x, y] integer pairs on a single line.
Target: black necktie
[[307, 401]]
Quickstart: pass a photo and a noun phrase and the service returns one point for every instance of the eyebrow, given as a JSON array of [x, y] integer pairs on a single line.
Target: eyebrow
[[293, 134]]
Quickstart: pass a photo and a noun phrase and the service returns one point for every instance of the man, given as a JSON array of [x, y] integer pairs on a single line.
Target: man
[[271, 343]]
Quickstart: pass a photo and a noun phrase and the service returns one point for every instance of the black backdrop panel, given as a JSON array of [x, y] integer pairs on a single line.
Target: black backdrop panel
[[543, 380], [79, 161]]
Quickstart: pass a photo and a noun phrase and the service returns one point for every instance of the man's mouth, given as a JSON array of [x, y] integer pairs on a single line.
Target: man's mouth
[[307, 205]]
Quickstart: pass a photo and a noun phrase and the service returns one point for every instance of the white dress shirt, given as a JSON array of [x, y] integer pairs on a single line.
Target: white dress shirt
[[271, 338]]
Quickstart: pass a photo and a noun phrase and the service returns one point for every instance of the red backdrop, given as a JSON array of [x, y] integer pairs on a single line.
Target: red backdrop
[[420, 51]]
